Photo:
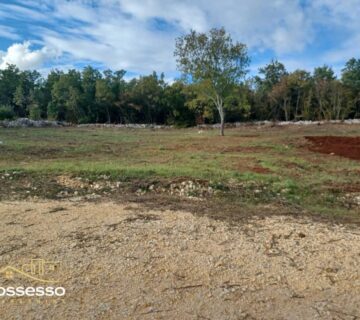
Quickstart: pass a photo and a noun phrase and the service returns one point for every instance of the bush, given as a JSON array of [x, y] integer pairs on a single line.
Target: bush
[[6, 113]]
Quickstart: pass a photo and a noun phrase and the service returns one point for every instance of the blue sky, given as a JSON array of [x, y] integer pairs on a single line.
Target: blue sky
[[138, 35]]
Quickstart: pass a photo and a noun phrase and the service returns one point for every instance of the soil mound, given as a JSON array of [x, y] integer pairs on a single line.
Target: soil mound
[[348, 147]]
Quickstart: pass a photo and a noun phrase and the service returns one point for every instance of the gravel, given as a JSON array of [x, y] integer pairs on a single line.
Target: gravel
[[128, 262]]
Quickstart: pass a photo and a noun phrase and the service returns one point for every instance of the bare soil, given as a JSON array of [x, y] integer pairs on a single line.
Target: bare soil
[[124, 261], [348, 147]]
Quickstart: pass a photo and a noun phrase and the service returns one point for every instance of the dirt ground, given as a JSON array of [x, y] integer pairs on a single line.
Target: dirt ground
[[348, 147], [123, 261]]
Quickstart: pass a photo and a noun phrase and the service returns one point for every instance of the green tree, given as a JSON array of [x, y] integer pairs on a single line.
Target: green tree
[[89, 78], [28, 81], [118, 87], [288, 95], [299, 83], [324, 73], [214, 63], [237, 104], [9, 80], [34, 107], [323, 78], [105, 97], [271, 74], [148, 97], [175, 99], [267, 97], [6, 113], [67, 101], [351, 80]]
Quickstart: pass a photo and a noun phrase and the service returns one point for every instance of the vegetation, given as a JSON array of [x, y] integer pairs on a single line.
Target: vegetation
[[214, 68], [252, 165], [213, 65]]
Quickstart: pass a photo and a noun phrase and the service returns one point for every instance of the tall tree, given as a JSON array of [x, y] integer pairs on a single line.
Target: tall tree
[[27, 83], [9, 80], [323, 78], [214, 62], [104, 97], [175, 99], [351, 80], [89, 78], [67, 99], [266, 95], [299, 86], [271, 74], [147, 94]]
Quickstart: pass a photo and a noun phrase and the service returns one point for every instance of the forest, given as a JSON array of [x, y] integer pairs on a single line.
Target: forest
[[93, 96]]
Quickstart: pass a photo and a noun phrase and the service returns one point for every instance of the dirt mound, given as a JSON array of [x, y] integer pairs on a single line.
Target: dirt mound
[[348, 147]]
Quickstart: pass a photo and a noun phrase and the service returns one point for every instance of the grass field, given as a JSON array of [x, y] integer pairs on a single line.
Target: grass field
[[250, 165]]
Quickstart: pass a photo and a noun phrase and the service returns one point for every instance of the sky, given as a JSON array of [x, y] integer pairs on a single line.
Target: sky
[[139, 35]]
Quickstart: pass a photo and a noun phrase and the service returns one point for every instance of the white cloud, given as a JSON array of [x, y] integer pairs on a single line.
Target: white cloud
[[347, 50], [130, 34], [185, 14], [123, 34], [9, 33], [21, 12], [279, 25], [343, 16], [24, 58], [344, 13]]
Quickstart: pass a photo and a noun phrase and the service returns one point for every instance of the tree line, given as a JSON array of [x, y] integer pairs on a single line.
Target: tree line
[[91, 96]]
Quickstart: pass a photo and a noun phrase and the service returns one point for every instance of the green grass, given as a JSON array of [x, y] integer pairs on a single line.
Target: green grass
[[298, 175]]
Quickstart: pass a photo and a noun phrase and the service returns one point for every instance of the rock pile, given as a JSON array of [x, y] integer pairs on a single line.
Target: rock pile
[[187, 189], [128, 126], [27, 123], [352, 200], [278, 123]]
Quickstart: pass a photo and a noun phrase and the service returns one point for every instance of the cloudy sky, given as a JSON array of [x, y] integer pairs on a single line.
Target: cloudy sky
[[138, 35]]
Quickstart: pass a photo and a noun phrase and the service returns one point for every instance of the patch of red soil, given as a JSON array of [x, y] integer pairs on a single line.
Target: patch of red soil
[[216, 147], [261, 170], [351, 188], [250, 136], [244, 149], [241, 167], [348, 147]]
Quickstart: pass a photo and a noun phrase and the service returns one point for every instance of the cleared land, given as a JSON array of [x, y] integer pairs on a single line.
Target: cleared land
[[124, 262], [250, 166], [177, 224]]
